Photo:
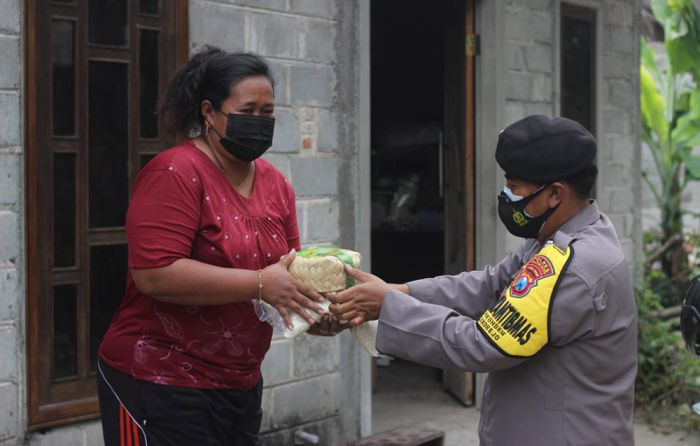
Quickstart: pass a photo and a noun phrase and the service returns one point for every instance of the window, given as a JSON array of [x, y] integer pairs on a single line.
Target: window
[[578, 67], [94, 71]]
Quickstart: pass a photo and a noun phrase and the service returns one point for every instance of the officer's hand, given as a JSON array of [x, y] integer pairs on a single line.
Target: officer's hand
[[360, 303]]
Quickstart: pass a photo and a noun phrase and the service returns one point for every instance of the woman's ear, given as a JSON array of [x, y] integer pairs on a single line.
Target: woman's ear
[[207, 109]]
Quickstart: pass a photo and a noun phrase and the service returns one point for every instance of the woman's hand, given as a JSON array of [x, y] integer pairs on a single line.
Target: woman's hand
[[362, 302], [285, 293], [329, 325]]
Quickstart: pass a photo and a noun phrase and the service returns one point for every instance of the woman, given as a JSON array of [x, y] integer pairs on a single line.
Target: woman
[[206, 228]]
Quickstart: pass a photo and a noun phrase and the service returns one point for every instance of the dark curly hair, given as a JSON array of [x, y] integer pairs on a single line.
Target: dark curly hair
[[210, 74]]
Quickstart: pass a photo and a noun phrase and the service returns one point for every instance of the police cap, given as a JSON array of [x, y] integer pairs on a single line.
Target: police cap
[[540, 149]]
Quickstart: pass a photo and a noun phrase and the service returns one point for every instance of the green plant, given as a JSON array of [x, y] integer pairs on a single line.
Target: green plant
[[670, 109], [668, 377]]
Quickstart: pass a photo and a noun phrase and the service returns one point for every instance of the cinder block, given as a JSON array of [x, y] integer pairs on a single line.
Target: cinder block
[[516, 25], [315, 176], [9, 16], [617, 148], [8, 353], [622, 94], [615, 174], [617, 122], [315, 354], [306, 400], [287, 132], [319, 41], [539, 58], [542, 88], [621, 40], [327, 131], [280, 72], [618, 65], [515, 111], [9, 397], [9, 177], [281, 162], [9, 120], [311, 85], [515, 56], [277, 5], [541, 27], [315, 8], [9, 237], [275, 35], [322, 221], [216, 24], [276, 368], [538, 108], [9, 294], [10, 68], [539, 5], [618, 14], [519, 86]]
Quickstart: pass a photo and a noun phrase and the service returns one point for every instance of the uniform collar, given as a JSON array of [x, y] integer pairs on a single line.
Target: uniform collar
[[567, 232]]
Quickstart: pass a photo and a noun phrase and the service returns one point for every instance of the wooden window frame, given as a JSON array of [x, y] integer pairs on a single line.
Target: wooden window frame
[[75, 400]]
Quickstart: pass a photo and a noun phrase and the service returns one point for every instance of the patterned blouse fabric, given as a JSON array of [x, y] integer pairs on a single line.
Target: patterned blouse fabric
[[183, 207]]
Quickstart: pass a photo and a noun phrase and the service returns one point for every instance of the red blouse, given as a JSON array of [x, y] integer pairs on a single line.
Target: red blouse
[[183, 207]]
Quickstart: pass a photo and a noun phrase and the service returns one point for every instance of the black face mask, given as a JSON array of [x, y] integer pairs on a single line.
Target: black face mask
[[247, 137], [511, 210]]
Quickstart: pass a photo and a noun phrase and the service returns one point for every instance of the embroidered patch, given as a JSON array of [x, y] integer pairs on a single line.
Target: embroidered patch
[[518, 324], [538, 268]]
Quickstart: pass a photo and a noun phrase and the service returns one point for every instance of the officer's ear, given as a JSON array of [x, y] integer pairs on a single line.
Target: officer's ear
[[557, 191]]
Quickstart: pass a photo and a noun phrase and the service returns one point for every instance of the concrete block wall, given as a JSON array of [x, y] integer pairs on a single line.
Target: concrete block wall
[[305, 379], [11, 258], [531, 86]]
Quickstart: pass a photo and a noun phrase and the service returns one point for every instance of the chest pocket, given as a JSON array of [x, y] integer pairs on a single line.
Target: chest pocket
[[518, 324]]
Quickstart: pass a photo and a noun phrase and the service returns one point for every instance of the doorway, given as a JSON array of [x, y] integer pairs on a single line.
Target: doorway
[[421, 155]]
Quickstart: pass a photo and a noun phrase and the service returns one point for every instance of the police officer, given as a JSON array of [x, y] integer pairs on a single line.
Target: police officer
[[554, 323]]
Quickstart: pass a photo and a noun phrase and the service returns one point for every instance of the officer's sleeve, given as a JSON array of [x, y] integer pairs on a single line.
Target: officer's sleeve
[[470, 293], [572, 314], [435, 335]]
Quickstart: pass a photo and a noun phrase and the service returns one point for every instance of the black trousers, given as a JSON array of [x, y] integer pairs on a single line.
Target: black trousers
[[140, 413]]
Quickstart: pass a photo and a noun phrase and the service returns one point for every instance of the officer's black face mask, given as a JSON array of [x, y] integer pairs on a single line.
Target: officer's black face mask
[[247, 137], [511, 210]]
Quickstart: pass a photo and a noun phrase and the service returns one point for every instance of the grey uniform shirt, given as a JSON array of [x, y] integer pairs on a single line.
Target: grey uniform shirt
[[579, 388]]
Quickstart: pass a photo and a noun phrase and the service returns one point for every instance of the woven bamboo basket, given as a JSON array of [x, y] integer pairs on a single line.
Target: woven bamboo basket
[[323, 269]]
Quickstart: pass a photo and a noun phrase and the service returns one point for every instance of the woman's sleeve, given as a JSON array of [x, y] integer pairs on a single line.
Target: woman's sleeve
[[291, 226], [162, 219]]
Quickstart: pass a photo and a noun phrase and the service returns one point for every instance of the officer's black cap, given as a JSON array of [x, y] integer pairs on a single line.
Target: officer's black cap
[[540, 149]]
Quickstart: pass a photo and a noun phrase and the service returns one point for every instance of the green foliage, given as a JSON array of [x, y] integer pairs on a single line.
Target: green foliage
[[668, 378], [670, 111]]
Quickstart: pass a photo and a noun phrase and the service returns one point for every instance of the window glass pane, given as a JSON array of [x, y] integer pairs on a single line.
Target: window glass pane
[[107, 284], [108, 141], [64, 209], [148, 82], [145, 159], [107, 22], [63, 76], [577, 85], [64, 331], [148, 7]]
